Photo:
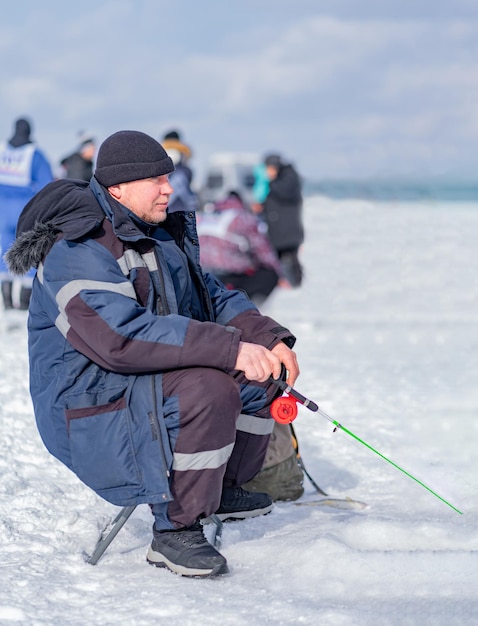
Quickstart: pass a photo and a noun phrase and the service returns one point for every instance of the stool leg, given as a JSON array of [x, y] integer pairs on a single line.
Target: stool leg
[[105, 540]]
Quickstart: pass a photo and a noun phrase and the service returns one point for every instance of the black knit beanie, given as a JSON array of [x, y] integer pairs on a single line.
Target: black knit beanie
[[22, 132], [273, 159], [173, 134], [130, 155]]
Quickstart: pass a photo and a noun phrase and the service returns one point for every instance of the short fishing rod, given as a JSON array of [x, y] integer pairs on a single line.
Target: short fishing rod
[[284, 410]]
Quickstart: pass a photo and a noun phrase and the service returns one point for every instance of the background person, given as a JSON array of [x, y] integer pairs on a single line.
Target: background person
[[79, 165], [24, 170], [183, 197], [237, 251], [282, 211]]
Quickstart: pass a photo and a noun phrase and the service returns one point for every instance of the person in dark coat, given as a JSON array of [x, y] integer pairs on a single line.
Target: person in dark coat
[[149, 379], [79, 165], [282, 212]]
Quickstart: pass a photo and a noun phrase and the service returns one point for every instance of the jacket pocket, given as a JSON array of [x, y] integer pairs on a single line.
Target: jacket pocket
[[102, 452]]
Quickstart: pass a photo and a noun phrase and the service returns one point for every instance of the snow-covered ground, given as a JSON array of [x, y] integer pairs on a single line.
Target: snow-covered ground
[[387, 327]]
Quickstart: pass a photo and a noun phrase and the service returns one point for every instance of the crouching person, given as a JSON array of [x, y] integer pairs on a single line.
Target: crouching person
[[149, 379]]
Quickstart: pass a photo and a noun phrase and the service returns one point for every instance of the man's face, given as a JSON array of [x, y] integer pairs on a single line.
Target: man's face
[[271, 172], [147, 198], [88, 151]]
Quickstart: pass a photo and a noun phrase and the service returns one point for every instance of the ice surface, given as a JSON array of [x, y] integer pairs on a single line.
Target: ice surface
[[387, 330]]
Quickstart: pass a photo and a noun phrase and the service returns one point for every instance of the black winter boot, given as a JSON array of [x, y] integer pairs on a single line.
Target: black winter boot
[[237, 503], [186, 552]]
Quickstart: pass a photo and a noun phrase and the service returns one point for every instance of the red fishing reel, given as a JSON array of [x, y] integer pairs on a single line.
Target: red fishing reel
[[284, 409]]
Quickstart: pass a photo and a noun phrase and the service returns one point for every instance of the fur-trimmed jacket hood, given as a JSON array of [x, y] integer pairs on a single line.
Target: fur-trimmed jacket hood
[[64, 208]]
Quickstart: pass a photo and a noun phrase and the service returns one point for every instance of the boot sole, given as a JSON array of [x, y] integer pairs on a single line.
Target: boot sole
[[159, 560], [238, 515]]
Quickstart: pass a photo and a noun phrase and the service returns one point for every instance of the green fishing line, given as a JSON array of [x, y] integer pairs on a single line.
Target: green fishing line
[[394, 465]]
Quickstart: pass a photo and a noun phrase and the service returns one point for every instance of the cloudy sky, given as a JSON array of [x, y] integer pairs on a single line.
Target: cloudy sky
[[343, 88]]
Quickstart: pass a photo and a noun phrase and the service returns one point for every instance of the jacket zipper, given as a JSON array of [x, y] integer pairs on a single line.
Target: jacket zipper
[[155, 426], [161, 299]]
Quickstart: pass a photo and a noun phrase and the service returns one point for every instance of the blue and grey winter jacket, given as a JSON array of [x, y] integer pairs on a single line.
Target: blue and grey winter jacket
[[110, 310]]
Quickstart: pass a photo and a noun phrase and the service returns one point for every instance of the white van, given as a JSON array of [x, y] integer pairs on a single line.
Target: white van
[[226, 172]]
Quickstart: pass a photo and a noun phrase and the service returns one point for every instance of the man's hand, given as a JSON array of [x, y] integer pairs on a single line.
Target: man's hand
[[289, 358], [284, 283], [259, 363]]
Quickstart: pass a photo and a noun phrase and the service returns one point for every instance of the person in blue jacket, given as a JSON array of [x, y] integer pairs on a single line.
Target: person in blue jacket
[[149, 379], [183, 197], [24, 170]]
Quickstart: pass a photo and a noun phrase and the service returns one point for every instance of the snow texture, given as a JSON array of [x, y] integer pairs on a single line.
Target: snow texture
[[387, 333]]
